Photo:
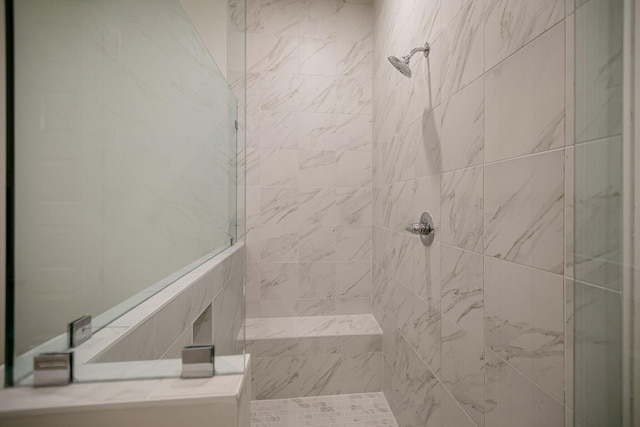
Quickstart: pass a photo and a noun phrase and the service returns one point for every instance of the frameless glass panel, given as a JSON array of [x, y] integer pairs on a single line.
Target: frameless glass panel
[[125, 163], [603, 219]]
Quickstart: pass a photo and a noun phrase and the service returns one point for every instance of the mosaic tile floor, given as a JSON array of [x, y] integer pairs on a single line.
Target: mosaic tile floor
[[347, 410]]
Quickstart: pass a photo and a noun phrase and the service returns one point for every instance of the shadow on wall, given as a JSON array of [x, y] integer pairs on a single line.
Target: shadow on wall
[[431, 149]]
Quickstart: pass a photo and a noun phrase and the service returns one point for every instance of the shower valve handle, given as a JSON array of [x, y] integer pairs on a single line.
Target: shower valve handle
[[419, 228], [425, 228]]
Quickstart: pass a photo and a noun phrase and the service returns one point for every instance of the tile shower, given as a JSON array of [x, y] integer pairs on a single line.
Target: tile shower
[[351, 319], [344, 152], [474, 326], [509, 122]]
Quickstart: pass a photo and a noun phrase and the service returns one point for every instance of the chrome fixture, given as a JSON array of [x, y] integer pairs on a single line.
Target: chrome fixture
[[79, 330], [402, 65], [425, 228], [52, 369], [198, 361]]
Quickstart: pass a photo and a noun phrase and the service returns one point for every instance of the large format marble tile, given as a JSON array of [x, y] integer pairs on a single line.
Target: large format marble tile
[[598, 61], [513, 400], [450, 9], [353, 169], [462, 370], [278, 243], [319, 375], [353, 95], [309, 99], [317, 131], [317, 280], [462, 292], [317, 243], [317, 168], [397, 206], [358, 325], [279, 377], [510, 24], [361, 344], [452, 413], [278, 167], [416, 392], [137, 345], [318, 19], [318, 56], [315, 307], [281, 17], [317, 326], [462, 43], [353, 243], [425, 269], [459, 127], [598, 213], [353, 280], [271, 53], [318, 345], [314, 326], [419, 323], [523, 215], [358, 305], [279, 281], [462, 206], [422, 149], [272, 129], [524, 321], [354, 205], [353, 132], [278, 92], [524, 102], [598, 325], [279, 205], [354, 21], [354, 58], [317, 94], [317, 205], [276, 347], [361, 372]]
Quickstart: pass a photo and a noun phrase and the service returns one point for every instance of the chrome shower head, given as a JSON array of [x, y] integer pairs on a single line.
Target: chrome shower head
[[402, 65]]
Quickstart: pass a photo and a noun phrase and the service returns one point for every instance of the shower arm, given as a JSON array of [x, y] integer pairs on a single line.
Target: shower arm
[[426, 48]]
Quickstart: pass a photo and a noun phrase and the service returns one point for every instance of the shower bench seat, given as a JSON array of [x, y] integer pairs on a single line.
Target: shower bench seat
[[314, 356]]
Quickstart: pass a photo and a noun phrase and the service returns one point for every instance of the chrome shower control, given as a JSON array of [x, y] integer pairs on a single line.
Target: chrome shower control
[[419, 229], [424, 228]]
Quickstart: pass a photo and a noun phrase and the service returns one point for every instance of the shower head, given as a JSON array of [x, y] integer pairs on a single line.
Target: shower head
[[402, 65]]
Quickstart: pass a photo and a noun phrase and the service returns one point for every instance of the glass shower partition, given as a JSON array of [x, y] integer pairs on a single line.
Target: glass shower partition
[[605, 218], [124, 165]]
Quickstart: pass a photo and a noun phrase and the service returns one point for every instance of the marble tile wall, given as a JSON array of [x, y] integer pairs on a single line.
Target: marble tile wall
[[308, 157], [474, 327], [162, 325], [314, 356]]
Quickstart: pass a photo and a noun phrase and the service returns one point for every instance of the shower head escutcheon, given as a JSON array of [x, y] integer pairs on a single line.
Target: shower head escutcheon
[[402, 65]]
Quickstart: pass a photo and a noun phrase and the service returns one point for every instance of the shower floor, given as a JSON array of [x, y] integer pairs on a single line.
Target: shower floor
[[345, 410]]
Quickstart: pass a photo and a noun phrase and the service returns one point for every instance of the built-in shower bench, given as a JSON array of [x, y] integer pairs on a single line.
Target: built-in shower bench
[[314, 356]]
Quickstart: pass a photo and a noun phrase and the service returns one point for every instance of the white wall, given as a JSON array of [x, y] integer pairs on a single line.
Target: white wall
[[210, 19]]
